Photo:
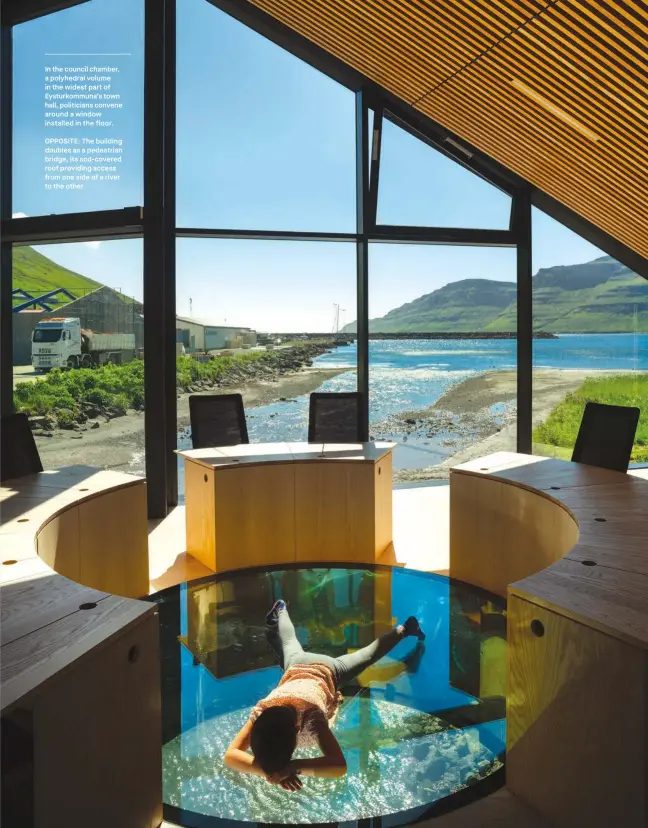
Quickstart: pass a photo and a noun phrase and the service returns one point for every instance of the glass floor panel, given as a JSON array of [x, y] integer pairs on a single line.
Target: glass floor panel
[[422, 730]]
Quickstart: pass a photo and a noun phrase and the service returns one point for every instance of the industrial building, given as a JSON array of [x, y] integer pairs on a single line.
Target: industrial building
[[107, 310], [103, 310], [200, 335]]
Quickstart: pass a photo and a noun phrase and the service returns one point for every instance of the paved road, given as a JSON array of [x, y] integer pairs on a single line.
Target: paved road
[[25, 373]]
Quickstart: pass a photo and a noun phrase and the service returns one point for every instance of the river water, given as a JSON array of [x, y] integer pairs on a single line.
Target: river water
[[412, 374]]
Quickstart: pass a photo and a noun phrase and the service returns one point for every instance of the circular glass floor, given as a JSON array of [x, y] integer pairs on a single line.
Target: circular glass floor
[[423, 730]]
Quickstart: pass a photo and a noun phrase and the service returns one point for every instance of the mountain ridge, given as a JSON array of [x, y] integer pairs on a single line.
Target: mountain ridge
[[601, 296], [36, 274]]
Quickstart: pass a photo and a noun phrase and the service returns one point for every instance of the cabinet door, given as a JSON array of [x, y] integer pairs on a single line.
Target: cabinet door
[[254, 515], [97, 738], [576, 721], [335, 511]]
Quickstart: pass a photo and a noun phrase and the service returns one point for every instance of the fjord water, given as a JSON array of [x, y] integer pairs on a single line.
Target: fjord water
[[411, 374]]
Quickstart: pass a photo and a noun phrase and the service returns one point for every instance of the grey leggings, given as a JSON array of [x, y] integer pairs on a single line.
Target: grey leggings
[[345, 668]]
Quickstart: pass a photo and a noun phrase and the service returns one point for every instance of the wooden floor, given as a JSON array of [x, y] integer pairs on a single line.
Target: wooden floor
[[421, 538]]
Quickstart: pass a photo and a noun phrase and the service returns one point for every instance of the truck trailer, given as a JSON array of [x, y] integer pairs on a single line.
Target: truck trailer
[[63, 343]]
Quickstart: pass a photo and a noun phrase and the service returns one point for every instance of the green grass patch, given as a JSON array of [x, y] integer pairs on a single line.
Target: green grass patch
[[558, 433], [66, 395]]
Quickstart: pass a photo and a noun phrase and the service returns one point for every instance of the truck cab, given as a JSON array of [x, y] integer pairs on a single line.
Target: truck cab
[[56, 343]]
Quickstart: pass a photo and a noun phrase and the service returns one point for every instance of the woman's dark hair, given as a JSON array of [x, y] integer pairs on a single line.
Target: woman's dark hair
[[273, 738]]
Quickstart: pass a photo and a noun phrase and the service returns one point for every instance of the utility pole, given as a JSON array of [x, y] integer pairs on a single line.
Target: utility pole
[[336, 317]]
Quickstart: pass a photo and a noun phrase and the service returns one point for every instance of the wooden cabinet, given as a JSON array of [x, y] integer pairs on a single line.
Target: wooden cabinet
[[81, 712], [343, 510], [106, 712], [577, 721], [249, 507]]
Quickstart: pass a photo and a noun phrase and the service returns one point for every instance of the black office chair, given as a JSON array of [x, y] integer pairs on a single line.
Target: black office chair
[[217, 420], [18, 453], [335, 418], [606, 436]]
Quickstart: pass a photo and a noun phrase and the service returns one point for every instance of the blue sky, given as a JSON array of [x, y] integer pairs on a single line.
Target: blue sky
[[264, 142]]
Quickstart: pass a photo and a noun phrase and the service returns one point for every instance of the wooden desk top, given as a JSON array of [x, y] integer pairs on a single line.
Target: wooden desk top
[[603, 580], [43, 629], [260, 453]]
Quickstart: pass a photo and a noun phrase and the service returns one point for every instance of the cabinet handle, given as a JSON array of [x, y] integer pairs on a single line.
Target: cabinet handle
[[133, 654], [537, 628]]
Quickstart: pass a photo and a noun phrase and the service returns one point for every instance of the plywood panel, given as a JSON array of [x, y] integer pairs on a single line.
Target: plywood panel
[[501, 533], [58, 544], [106, 711], [199, 499], [335, 511], [113, 542], [576, 721], [254, 515]]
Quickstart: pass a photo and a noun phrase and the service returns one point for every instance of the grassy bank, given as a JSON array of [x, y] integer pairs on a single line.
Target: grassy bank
[[557, 434], [63, 398]]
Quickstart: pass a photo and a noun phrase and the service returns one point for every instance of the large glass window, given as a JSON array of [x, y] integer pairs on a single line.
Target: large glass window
[[263, 318], [596, 313], [78, 340], [264, 141], [78, 109], [442, 354], [422, 187]]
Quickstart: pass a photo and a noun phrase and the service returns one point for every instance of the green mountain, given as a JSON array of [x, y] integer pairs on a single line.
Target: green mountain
[[594, 297], [35, 273]]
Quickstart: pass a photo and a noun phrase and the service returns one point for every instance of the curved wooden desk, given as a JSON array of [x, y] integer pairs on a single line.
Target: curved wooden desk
[[83, 523], [80, 666], [273, 503], [568, 544]]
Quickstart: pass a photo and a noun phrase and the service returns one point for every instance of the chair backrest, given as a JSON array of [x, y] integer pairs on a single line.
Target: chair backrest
[[606, 436], [18, 453], [217, 420], [335, 418]]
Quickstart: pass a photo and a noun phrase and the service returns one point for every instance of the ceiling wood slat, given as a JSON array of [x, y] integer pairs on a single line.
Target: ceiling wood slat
[[554, 90]]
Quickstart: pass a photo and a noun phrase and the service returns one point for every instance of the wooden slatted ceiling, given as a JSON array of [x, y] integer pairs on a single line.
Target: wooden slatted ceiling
[[556, 90]]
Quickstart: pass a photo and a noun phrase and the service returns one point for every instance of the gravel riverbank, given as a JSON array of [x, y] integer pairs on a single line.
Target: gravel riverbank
[[114, 442], [478, 416]]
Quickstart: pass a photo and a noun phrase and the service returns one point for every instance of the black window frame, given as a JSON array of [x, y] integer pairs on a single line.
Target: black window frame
[[155, 220]]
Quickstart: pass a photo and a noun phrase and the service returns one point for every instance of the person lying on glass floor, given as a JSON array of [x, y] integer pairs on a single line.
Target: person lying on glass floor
[[302, 709]]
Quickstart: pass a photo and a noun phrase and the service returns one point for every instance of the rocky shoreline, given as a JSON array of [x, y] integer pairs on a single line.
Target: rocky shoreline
[[269, 367], [116, 440], [479, 416]]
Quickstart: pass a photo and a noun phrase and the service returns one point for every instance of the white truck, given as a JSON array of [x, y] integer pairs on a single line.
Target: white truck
[[63, 343]]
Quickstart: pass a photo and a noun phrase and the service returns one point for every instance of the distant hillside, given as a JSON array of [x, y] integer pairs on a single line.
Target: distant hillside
[[37, 274], [595, 297]]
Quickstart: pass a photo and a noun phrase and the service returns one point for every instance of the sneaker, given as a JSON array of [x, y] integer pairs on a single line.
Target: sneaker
[[272, 616], [411, 627]]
